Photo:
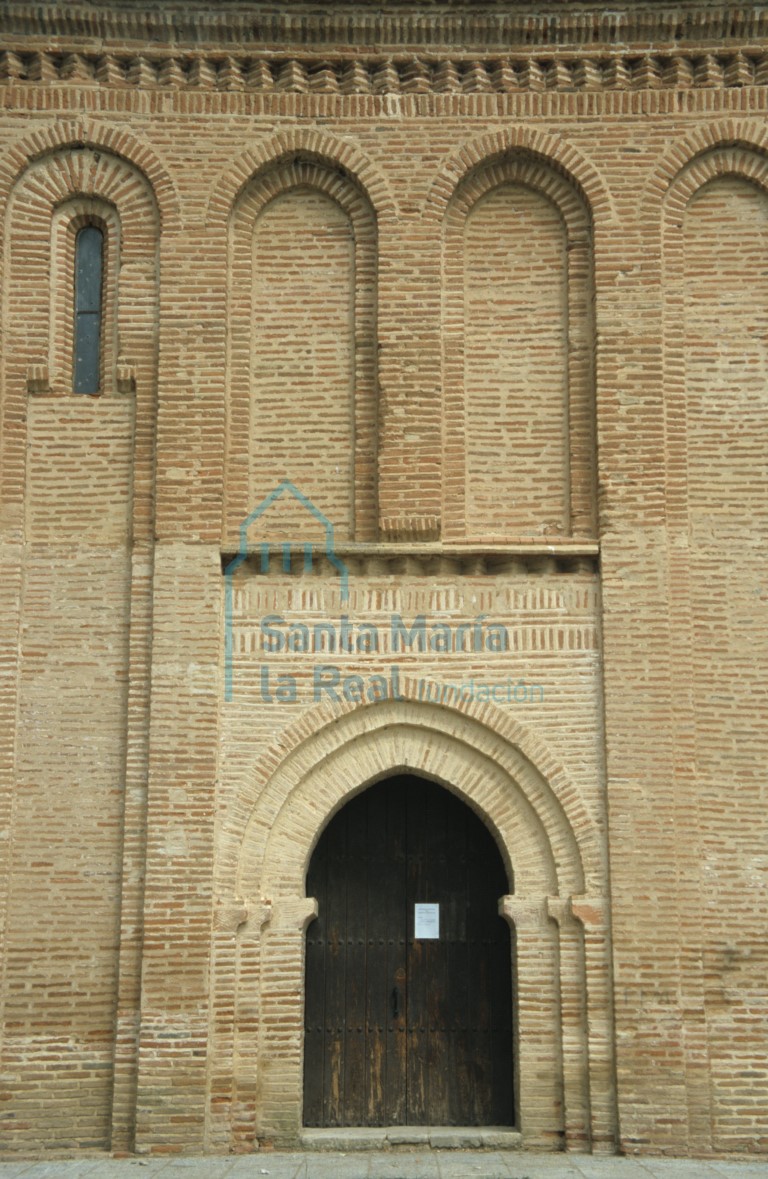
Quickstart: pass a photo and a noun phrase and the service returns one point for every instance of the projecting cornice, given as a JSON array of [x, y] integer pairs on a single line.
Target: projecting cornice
[[561, 72], [347, 27], [389, 76]]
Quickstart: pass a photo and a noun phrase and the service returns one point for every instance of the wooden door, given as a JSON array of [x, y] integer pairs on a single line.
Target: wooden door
[[401, 1030]]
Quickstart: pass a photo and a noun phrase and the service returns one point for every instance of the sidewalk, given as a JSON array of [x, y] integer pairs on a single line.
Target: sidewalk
[[405, 1164]]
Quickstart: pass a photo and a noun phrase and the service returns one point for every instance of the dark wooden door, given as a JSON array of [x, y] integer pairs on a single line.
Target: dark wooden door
[[402, 1030]]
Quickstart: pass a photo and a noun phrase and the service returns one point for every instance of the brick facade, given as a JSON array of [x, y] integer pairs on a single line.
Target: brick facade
[[486, 285]]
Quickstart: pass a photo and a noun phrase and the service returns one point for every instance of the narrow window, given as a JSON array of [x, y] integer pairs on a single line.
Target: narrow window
[[89, 265]]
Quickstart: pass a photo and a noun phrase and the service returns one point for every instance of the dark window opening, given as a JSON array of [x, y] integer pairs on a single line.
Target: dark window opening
[[89, 267]]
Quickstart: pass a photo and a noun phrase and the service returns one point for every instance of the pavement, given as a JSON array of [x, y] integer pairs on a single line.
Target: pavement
[[390, 1164]]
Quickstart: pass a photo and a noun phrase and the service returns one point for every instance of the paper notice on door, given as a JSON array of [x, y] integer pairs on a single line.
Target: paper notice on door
[[426, 922]]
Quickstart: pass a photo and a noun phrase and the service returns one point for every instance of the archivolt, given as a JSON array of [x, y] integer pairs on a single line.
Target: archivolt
[[304, 173], [549, 150], [79, 133], [551, 844], [308, 145], [71, 172], [546, 835], [743, 143]]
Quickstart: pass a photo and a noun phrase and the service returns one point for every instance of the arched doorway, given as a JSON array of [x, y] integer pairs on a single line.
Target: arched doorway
[[408, 1002]]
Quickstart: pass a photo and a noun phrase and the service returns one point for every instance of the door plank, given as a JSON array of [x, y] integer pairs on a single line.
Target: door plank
[[378, 982], [357, 869], [393, 881], [335, 975], [314, 993]]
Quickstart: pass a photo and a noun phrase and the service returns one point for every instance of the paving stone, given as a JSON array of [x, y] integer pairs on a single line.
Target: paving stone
[[388, 1164]]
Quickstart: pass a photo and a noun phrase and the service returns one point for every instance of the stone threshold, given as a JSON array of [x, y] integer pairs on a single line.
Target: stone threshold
[[436, 1137]]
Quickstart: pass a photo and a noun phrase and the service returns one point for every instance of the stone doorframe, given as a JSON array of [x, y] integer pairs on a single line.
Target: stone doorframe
[[553, 851]]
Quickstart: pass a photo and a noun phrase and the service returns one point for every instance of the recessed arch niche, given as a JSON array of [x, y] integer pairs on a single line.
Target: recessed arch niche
[[302, 350], [715, 236], [518, 376], [86, 467]]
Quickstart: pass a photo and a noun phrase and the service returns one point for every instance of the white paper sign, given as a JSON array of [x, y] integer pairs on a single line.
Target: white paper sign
[[426, 921]]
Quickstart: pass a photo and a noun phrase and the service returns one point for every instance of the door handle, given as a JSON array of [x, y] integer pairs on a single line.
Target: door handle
[[395, 1002]]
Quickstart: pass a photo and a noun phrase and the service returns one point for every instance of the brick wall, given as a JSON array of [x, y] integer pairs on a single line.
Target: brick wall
[[500, 312]]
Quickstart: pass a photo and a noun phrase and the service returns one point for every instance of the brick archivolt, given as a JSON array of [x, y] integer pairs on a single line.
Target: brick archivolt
[[554, 855], [326, 150], [554, 151], [77, 134], [746, 140], [531, 171], [76, 171], [406, 73], [550, 841], [729, 159]]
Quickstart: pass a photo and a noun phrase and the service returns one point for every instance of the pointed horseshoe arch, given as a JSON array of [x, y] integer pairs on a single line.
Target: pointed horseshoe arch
[[408, 988], [558, 912]]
